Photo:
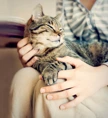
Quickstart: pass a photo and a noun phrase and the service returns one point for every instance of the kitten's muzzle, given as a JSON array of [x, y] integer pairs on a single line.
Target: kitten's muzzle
[[54, 38]]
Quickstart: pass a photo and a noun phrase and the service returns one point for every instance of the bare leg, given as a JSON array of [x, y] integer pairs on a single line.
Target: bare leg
[[21, 93]]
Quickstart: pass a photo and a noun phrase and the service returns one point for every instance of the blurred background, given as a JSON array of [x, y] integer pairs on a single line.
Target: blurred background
[[13, 16]]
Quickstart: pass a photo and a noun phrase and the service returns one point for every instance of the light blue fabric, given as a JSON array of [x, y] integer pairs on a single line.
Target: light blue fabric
[[83, 24]]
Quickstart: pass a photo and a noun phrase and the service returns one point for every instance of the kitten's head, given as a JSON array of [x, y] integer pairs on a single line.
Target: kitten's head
[[44, 32]]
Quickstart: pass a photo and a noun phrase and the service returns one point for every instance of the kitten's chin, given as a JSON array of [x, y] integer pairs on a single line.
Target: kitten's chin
[[38, 51], [41, 52]]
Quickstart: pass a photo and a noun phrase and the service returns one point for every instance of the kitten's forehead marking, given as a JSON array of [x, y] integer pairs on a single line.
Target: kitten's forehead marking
[[51, 22]]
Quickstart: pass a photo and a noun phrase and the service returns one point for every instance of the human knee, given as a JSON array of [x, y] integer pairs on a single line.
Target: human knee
[[25, 76], [27, 72]]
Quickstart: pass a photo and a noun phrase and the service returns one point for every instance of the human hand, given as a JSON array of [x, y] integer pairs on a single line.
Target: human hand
[[26, 52], [82, 81]]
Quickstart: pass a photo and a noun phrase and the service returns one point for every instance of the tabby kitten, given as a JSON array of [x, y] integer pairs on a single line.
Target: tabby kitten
[[46, 36]]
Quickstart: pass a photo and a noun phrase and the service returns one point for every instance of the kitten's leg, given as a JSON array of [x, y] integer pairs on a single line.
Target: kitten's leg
[[50, 72], [21, 92]]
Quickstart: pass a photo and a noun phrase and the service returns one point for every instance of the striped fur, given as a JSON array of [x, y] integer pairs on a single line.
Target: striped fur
[[47, 38]]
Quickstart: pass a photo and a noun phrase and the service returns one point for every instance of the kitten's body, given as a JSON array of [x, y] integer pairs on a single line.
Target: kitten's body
[[45, 34]]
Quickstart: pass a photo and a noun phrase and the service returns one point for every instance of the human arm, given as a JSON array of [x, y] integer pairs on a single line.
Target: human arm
[[26, 52], [82, 81]]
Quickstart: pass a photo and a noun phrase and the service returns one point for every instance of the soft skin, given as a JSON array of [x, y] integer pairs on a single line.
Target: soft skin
[[25, 52], [83, 77]]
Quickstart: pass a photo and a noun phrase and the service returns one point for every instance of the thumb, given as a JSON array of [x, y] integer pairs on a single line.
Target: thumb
[[73, 61]]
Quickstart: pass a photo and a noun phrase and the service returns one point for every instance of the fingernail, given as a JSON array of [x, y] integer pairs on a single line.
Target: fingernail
[[36, 58], [62, 107], [49, 97], [42, 90]]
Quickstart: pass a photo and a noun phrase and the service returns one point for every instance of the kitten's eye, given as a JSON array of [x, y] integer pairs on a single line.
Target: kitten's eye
[[46, 31], [33, 31], [31, 42], [61, 30], [50, 22]]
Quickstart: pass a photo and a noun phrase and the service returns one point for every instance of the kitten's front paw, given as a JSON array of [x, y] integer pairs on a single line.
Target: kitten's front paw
[[49, 76]]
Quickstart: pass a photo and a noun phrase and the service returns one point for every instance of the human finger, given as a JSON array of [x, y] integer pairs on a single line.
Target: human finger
[[40, 77], [72, 103], [73, 61], [25, 50], [66, 74], [28, 55], [63, 94], [32, 61], [58, 87], [22, 42]]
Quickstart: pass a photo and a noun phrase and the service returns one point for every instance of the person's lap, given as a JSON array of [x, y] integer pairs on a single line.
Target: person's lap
[[21, 92], [26, 99]]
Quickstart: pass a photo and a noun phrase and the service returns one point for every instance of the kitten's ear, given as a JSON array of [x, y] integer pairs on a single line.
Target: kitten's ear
[[59, 17], [37, 12]]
